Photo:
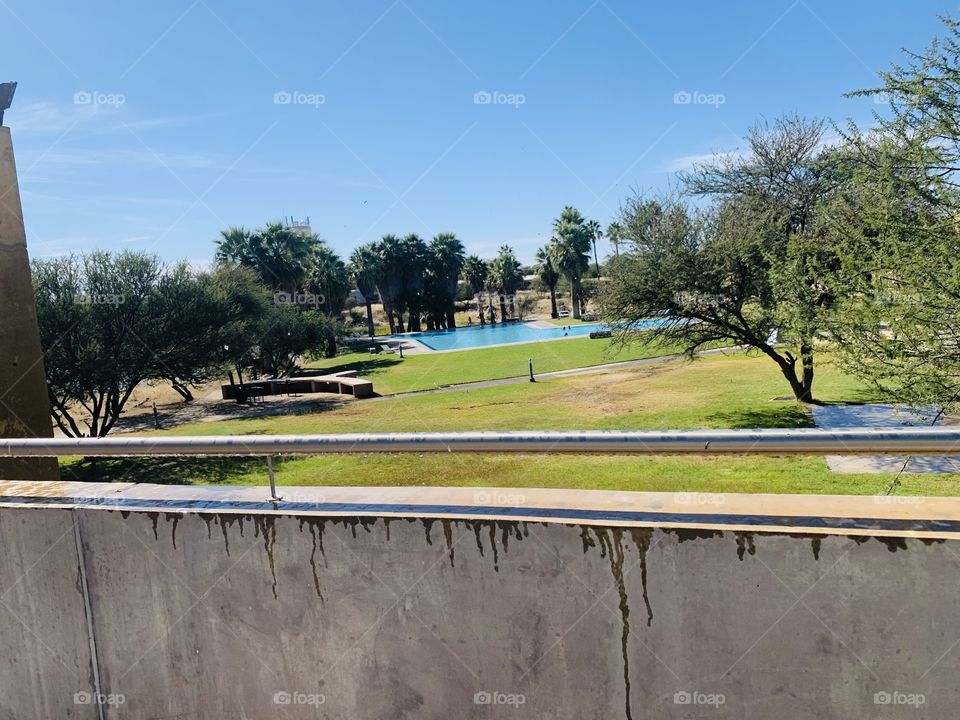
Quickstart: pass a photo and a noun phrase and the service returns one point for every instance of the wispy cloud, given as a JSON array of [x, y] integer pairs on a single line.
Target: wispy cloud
[[54, 118]]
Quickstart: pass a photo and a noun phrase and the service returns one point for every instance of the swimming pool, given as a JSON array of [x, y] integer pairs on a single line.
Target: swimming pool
[[480, 336]]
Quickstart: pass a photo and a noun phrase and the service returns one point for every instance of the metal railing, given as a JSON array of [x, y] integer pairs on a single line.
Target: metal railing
[[849, 441]]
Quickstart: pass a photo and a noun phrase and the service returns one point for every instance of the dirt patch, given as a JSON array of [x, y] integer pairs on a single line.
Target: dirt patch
[[207, 410]]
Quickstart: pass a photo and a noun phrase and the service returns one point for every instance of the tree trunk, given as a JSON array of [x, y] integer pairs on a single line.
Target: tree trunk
[[503, 307], [802, 386], [553, 303], [575, 297], [370, 329], [451, 320], [480, 311], [182, 389], [513, 307]]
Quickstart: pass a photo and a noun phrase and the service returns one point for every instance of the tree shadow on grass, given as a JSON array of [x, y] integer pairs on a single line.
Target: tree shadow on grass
[[781, 416], [166, 470]]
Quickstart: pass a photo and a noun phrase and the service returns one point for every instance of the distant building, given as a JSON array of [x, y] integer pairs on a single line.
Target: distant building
[[298, 225]]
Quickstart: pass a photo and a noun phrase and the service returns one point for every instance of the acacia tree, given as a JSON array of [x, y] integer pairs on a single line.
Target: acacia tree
[[203, 323], [752, 270], [110, 322], [896, 224]]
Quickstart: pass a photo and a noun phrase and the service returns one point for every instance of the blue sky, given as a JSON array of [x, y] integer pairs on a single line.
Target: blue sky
[[152, 126]]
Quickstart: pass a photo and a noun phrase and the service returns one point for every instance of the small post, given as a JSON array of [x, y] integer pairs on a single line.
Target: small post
[[530, 365], [273, 481], [156, 417], [400, 347]]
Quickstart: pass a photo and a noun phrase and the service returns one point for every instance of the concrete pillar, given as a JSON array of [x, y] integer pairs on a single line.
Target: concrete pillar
[[24, 407]]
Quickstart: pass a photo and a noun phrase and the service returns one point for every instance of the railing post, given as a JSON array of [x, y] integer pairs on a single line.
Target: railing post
[[273, 481]]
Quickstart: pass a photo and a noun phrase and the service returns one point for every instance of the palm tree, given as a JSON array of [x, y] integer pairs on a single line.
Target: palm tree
[[328, 278], [280, 256], [570, 251], [389, 259], [614, 234], [446, 262], [415, 258], [506, 278], [475, 274], [596, 232], [364, 269], [545, 270]]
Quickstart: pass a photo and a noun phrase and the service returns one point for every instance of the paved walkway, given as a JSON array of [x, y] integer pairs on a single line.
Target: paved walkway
[[591, 370], [879, 415]]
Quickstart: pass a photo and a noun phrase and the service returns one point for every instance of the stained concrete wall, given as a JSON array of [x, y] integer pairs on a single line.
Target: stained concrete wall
[[232, 616]]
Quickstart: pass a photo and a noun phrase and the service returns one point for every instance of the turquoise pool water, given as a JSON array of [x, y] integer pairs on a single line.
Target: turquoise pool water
[[475, 336]]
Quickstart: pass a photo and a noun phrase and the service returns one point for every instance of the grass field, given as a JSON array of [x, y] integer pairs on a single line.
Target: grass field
[[733, 391], [390, 374]]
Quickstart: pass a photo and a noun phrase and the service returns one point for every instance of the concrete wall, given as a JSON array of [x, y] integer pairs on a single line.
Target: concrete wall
[[24, 406], [230, 616]]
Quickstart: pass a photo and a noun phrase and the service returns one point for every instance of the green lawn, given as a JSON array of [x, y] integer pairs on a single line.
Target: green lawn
[[390, 374], [736, 391]]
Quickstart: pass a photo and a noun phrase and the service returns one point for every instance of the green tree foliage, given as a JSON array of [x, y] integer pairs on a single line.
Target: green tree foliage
[[896, 224], [751, 270], [474, 274], [570, 251], [289, 333], [505, 277], [110, 322], [364, 270], [548, 275], [446, 258]]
